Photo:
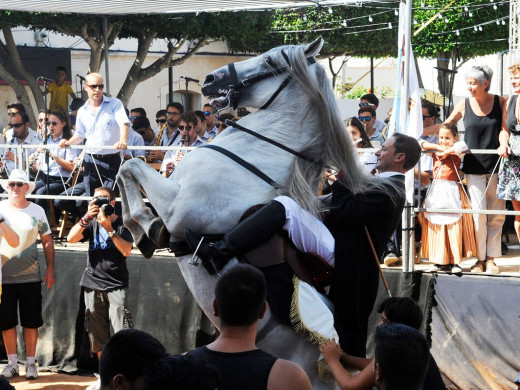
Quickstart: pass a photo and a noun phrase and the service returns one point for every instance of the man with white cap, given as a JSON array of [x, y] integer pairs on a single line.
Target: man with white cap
[[21, 273]]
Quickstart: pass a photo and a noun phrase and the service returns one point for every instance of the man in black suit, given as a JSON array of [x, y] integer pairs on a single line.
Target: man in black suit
[[356, 278]]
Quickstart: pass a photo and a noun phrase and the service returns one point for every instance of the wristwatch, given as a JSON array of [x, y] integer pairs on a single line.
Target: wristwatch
[[2, 219], [110, 234]]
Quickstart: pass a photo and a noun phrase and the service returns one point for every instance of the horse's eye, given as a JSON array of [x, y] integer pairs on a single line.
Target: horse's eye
[[269, 61]]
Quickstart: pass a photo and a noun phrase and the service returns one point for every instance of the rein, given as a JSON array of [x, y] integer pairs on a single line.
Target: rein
[[231, 123]]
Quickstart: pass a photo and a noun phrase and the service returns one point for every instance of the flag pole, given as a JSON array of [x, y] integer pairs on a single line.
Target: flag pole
[[407, 244]]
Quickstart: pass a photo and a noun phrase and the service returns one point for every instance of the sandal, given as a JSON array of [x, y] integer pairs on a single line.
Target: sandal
[[478, 267], [491, 267], [456, 269]]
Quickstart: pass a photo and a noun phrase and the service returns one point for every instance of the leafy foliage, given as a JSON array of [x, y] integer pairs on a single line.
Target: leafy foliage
[[364, 30], [464, 15]]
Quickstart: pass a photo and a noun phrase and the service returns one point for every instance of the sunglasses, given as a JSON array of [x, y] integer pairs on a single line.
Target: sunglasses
[[365, 104], [160, 121], [15, 125], [96, 86], [52, 123], [172, 113], [17, 184], [207, 113], [134, 117], [181, 127], [427, 116], [221, 124], [365, 118]]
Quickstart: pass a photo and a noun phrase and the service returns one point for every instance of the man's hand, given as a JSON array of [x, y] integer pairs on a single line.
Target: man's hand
[[49, 278], [63, 143], [9, 156], [120, 145], [104, 220], [169, 168], [330, 350], [93, 209], [156, 155]]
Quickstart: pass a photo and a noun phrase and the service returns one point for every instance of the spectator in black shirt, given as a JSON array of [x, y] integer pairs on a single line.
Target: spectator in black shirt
[[105, 280]]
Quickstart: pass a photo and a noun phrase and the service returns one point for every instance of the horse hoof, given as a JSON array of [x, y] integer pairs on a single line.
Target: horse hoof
[[159, 234], [147, 247]]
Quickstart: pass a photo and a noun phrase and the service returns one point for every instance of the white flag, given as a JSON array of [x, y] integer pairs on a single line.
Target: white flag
[[406, 116]]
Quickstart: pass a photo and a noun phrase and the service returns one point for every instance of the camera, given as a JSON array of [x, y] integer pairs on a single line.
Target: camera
[[104, 204]]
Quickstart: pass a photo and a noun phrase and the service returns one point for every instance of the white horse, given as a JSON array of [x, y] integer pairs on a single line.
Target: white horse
[[208, 192]]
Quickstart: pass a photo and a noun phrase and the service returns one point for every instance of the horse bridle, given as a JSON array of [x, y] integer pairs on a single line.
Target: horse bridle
[[233, 97], [233, 94]]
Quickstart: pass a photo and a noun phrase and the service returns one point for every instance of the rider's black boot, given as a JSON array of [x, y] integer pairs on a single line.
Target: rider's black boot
[[253, 231]]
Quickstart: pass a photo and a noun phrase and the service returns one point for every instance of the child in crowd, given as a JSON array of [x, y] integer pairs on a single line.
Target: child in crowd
[[446, 238], [360, 138], [60, 91]]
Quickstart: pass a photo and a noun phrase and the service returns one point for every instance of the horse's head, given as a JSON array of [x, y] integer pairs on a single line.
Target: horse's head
[[257, 81]]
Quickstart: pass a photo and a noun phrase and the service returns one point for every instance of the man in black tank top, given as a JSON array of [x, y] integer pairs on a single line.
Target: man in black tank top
[[240, 301]]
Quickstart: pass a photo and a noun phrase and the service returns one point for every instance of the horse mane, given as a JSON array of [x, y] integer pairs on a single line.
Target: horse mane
[[329, 147]]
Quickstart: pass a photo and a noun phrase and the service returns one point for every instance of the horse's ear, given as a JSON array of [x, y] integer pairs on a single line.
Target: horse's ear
[[314, 48]]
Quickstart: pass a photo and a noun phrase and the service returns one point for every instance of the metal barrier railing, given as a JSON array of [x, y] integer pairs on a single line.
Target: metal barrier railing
[[408, 264], [22, 161]]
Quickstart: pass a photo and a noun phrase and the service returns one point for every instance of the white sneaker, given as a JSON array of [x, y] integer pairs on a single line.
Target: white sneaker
[[390, 259], [95, 386], [31, 372], [10, 371]]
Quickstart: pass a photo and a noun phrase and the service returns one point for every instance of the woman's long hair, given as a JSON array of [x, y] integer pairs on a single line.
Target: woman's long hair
[[365, 139], [64, 117]]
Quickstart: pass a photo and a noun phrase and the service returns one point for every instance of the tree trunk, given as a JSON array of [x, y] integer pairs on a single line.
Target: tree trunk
[[22, 70], [443, 79], [10, 52], [335, 73], [138, 74], [21, 93]]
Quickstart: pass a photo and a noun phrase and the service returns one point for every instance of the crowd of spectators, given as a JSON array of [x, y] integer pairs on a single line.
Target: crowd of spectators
[[106, 129]]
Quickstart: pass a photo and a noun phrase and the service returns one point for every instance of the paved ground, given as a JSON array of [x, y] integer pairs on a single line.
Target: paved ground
[[51, 381], [509, 264]]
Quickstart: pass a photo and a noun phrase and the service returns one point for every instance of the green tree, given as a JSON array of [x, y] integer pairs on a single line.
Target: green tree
[[467, 29], [198, 30], [370, 30]]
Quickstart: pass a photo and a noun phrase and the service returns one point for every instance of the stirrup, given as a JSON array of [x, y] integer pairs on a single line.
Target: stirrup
[[195, 259], [209, 265]]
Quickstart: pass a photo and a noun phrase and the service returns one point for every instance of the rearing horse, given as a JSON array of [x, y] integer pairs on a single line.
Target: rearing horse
[[208, 191]]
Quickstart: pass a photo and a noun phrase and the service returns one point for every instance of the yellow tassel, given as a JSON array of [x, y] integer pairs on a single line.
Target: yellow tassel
[[324, 373], [296, 319]]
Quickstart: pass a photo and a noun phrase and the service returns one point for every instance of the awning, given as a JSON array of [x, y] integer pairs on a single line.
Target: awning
[[121, 7]]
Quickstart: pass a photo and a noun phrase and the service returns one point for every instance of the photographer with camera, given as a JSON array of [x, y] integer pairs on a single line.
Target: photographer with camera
[[105, 280]]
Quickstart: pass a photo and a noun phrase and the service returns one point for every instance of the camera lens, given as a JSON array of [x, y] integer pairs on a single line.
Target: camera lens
[[108, 210]]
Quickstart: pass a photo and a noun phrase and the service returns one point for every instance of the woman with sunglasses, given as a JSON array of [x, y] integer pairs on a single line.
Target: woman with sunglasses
[[188, 137], [60, 159], [221, 123]]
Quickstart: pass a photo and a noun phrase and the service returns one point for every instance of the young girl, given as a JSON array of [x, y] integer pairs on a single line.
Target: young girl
[[446, 238], [361, 140]]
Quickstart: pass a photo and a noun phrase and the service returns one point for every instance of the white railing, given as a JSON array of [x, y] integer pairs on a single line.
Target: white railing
[[22, 162]]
